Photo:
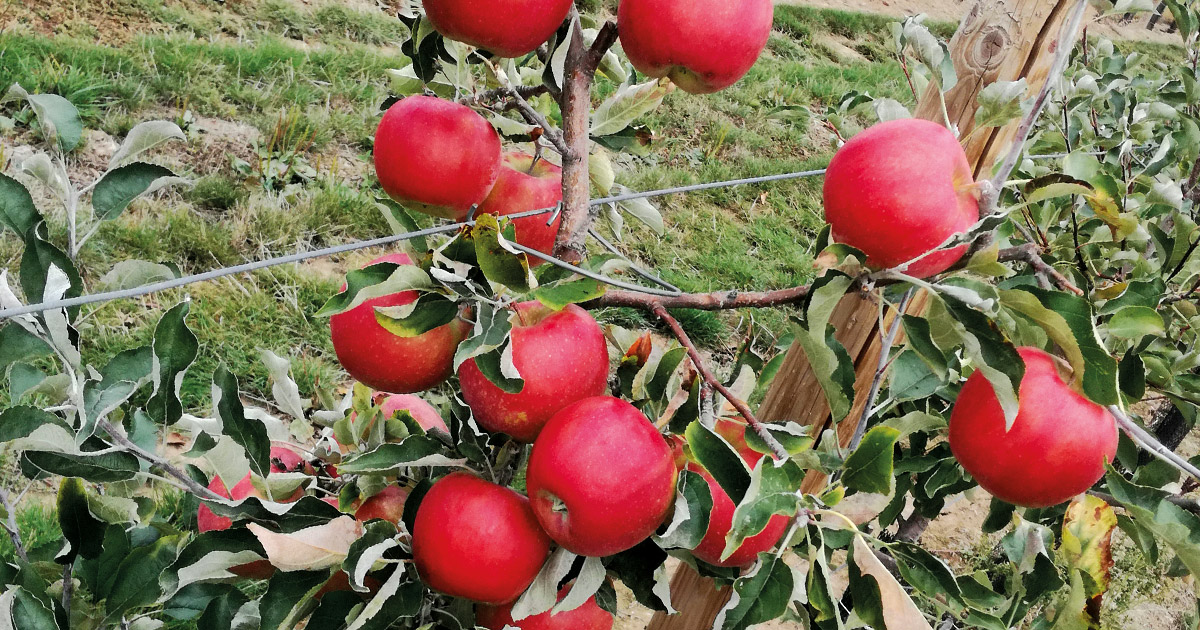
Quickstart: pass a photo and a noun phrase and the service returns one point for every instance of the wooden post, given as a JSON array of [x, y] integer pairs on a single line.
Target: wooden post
[[998, 40]]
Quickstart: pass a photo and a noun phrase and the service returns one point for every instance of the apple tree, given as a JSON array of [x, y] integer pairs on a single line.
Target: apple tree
[[503, 460]]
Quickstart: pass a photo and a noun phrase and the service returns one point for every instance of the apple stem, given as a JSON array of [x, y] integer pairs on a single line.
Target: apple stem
[[1147, 442], [660, 311], [154, 460]]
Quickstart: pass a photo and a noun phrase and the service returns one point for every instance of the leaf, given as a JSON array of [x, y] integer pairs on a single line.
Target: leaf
[[400, 222], [21, 421], [498, 260], [869, 467], [17, 210], [772, 491], [627, 104], [643, 569], [897, 608], [992, 353], [888, 109], [830, 362], [1135, 322], [498, 367], [312, 548], [1000, 103], [283, 387], [417, 450], [491, 331], [397, 599], [759, 597], [78, 525], [689, 523], [143, 137], [1087, 542], [720, 459], [429, 311], [53, 176], [247, 433], [1150, 509], [375, 281], [591, 577], [58, 117], [39, 257], [119, 380], [136, 582], [641, 209], [927, 573], [25, 611], [175, 348], [559, 295], [289, 596], [542, 593], [378, 538], [920, 340], [130, 274], [120, 186], [97, 468]]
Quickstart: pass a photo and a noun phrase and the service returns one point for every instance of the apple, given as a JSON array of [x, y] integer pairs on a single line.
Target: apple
[[898, 190], [436, 156], [282, 460], [508, 28], [703, 45], [1057, 447], [383, 361], [601, 478], [423, 412], [388, 505], [477, 540], [734, 432], [678, 450], [526, 184], [561, 355], [588, 616], [720, 521]]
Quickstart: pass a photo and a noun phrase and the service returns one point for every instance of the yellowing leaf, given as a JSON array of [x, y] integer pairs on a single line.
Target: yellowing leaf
[[898, 608], [1087, 540], [309, 549]]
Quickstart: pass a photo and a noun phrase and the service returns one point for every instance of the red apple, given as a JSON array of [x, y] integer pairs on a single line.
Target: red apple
[[734, 432], [381, 360], [720, 521], [588, 616], [898, 190], [1056, 449], [436, 156], [561, 355], [508, 28], [282, 460], [525, 185], [702, 45], [477, 540], [388, 505], [421, 411], [601, 478], [678, 453]]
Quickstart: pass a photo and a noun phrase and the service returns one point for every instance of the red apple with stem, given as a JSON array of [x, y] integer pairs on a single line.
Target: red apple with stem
[[720, 521], [1056, 449], [384, 361], [508, 28], [702, 45], [525, 184], [601, 478], [421, 411], [477, 540], [562, 357], [899, 190], [436, 156], [588, 616]]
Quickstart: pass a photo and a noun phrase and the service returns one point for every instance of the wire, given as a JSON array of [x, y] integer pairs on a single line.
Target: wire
[[670, 290]]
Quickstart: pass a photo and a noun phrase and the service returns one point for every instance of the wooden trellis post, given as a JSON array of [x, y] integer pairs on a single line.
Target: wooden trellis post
[[998, 40]]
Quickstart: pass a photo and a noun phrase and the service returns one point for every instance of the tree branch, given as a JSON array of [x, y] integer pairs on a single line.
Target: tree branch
[[491, 96], [531, 115], [885, 350], [10, 524], [1190, 505], [154, 460], [1149, 443], [661, 312]]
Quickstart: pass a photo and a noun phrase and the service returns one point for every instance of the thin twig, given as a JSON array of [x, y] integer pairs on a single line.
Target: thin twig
[[154, 460], [10, 524], [1149, 443], [661, 312], [531, 115], [68, 588], [1191, 505], [884, 361], [491, 96]]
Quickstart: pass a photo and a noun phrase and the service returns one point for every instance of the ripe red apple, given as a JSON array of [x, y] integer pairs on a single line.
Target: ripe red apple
[[720, 521], [601, 478], [588, 616], [436, 156], [421, 411], [898, 190], [702, 45], [477, 540], [282, 460], [508, 28], [524, 185], [678, 453], [561, 355], [1056, 449], [388, 505], [383, 361]]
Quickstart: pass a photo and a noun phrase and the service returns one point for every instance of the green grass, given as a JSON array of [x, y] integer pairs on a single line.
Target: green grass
[[38, 525]]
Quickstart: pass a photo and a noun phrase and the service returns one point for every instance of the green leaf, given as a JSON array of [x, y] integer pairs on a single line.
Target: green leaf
[[19, 345], [1068, 321], [120, 379], [656, 385], [491, 330], [28, 613], [400, 221], [418, 450], [830, 363], [626, 105], [643, 569], [287, 594], [175, 348], [927, 573], [19, 422], [429, 311], [397, 599], [17, 210], [248, 433], [869, 467], [761, 596], [145, 136], [1135, 322], [58, 117], [920, 340], [97, 468], [557, 296], [78, 525], [693, 503], [1150, 509], [120, 186], [719, 459], [130, 274], [375, 281], [1000, 103], [39, 256], [498, 261], [498, 367], [992, 353], [772, 491], [136, 582], [896, 610]]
